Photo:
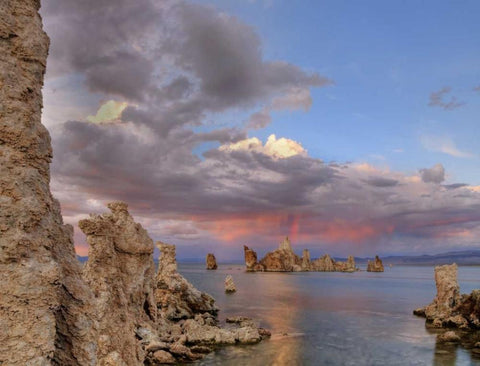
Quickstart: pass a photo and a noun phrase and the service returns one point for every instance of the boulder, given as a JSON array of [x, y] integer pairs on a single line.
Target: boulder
[[448, 337], [211, 261], [229, 285]]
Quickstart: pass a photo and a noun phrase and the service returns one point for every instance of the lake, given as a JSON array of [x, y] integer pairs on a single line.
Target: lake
[[332, 318]]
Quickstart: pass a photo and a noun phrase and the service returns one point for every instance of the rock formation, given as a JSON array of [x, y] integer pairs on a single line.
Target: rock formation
[[449, 309], [284, 259], [375, 266], [323, 264], [229, 284], [120, 271], [44, 302], [211, 261], [306, 263], [174, 295], [53, 312]]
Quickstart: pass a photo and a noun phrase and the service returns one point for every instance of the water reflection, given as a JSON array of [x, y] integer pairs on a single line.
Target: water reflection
[[333, 318]]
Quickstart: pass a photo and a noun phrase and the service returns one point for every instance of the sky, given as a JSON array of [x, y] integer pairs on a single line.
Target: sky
[[352, 127]]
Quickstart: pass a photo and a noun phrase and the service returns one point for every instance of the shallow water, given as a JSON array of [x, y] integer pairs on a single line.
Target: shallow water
[[322, 318]]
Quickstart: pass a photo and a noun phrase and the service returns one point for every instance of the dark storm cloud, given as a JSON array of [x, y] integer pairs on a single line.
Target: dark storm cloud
[[179, 65], [438, 99], [435, 174], [381, 182]]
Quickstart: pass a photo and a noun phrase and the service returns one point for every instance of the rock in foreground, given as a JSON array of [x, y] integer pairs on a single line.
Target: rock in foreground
[[229, 285], [449, 309]]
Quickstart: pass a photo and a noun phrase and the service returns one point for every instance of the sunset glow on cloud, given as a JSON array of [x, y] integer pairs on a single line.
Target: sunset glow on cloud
[[217, 136]]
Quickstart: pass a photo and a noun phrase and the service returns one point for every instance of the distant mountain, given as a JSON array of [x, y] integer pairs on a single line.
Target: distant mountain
[[464, 257]]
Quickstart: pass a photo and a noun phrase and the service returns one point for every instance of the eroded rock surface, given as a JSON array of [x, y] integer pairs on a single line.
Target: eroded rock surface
[[449, 309], [121, 272], [175, 296], [44, 302], [211, 261], [375, 266], [229, 284]]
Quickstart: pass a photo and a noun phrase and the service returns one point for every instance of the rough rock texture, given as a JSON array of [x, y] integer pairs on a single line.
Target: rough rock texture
[[284, 259], [449, 309], [229, 284], [175, 296], [375, 266], [323, 264], [211, 261], [120, 271], [44, 302], [306, 263], [348, 266]]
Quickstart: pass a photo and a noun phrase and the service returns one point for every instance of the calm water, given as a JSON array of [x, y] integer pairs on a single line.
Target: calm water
[[333, 318]]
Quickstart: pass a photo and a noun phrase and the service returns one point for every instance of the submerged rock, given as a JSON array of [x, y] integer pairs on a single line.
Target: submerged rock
[[229, 285], [211, 261], [375, 266]]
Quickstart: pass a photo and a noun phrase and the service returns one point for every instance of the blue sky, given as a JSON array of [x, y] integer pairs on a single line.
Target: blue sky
[[386, 58]]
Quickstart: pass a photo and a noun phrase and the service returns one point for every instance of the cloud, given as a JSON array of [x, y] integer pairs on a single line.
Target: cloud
[[444, 145], [435, 174], [477, 89], [179, 66], [437, 99], [108, 112]]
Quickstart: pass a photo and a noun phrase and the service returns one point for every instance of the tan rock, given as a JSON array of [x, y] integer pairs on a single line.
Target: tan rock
[[348, 266], [323, 264], [448, 293], [45, 305], [250, 259], [306, 263], [229, 284], [162, 357], [448, 337], [375, 266], [120, 271], [211, 261], [175, 296], [282, 260]]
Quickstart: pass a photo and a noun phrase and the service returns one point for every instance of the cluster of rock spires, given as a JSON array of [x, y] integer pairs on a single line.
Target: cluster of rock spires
[[116, 310], [284, 259]]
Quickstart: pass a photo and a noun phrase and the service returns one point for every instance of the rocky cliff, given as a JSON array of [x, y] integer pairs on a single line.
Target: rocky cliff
[[44, 302], [284, 259]]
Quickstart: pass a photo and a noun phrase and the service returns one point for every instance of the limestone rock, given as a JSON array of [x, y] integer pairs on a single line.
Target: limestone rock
[[282, 260], [250, 259], [211, 261], [45, 305], [162, 357], [375, 266], [175, 296], [306, 263], [448, 337], [348, 266], [324, 264], [448, 293], [229, 284], [120, 271]]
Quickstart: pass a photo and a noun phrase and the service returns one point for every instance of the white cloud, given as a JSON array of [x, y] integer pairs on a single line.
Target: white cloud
[[444, 145]]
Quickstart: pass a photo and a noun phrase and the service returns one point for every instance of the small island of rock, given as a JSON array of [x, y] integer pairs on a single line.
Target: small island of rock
[[211, 261], [375, 266], [284, 259]]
